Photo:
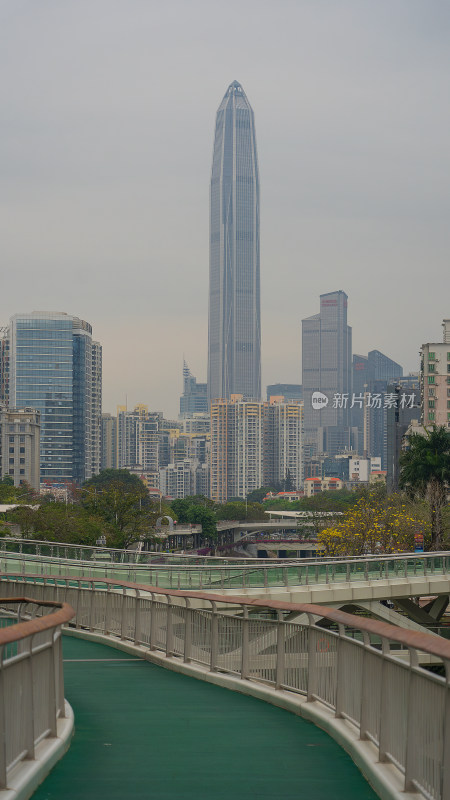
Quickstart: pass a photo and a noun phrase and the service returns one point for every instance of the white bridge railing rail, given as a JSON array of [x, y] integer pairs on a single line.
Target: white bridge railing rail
[[31, 676], [357, 669], [206, 573]]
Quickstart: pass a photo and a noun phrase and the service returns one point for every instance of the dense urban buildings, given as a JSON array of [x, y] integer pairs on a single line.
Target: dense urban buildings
[[254, 444], [327, 377], [194, 399], [283, 445], [435, 380], [371, 376], [20, 445], [109, 442], [234, 334], [55, 367], [138, 438], [237, 447], [286, 391]]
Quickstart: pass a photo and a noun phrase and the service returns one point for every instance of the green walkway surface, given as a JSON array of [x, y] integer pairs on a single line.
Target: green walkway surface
[[143, 732]]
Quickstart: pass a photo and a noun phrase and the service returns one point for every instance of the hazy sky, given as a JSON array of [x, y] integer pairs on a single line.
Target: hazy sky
[[108, 110]]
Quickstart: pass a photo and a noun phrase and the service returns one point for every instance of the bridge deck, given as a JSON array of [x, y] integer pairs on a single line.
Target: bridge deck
[[142, 731]]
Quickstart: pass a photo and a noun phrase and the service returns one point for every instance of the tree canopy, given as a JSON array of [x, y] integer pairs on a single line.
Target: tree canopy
[[425, 472], [374, 525]]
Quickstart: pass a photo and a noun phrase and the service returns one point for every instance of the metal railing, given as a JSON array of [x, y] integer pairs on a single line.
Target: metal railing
[[355, 671], [76, 552], [225, 575], [31, 677]]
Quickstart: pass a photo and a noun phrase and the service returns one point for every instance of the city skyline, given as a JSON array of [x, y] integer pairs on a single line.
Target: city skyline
[[105, 175]]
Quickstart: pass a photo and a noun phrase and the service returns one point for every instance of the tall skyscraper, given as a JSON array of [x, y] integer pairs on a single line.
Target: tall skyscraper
[[371, 376], [234, 334], [194, 399], [327, 371], [55, 368]]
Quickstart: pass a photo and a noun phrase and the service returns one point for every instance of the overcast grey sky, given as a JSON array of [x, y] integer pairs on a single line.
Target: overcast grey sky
[[108, 110]]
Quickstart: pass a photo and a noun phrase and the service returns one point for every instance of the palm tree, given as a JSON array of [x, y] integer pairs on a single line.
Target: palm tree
[[425, 471]]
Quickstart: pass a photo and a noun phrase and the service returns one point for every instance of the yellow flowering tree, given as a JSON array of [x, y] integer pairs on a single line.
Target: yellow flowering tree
[[374, 526]]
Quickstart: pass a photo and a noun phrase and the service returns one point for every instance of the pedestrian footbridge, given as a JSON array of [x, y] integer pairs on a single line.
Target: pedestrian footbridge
[[335, 582], [144, 731]]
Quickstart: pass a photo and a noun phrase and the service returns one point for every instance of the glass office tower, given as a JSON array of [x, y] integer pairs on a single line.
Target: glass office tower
[[55, 367], [234, 335], [327, 369]]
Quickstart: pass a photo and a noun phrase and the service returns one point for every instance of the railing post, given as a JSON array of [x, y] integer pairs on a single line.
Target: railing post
[[52, 704], [385, 720], [153, 622], [60, 667], [366, 689], [137, 616], [187, 631], [340, 672], [123, 614], [214, 636], [445, 792], [169, 628], [281, 641], [244, 650], [108, 610], [91, 609], [28, 701], [2, 726], [312, 661], [412, 728]]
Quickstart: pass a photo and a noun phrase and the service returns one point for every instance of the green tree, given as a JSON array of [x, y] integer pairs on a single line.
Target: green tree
[[200, 515], [258, 495], [60, 522], [425, 472], [237, 509], [121, 500]]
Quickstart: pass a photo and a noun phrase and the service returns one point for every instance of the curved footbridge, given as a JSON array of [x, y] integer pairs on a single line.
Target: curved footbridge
[[364, 582], [358, 679]]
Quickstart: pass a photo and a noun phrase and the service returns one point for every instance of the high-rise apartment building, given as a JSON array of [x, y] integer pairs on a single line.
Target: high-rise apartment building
[[327, 376], [4, 366], [219, 451], [435, 380], [109, 442], [234, 335], [55, 368], [138, 438], [238, 435], [194, 399], [283, 444], [20, 445], [184, 478]]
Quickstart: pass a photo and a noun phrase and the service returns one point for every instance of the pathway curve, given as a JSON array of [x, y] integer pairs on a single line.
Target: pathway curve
[[145, 733]]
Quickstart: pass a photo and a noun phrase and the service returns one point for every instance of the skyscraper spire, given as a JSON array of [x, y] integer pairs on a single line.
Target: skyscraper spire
[[234, 335]]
